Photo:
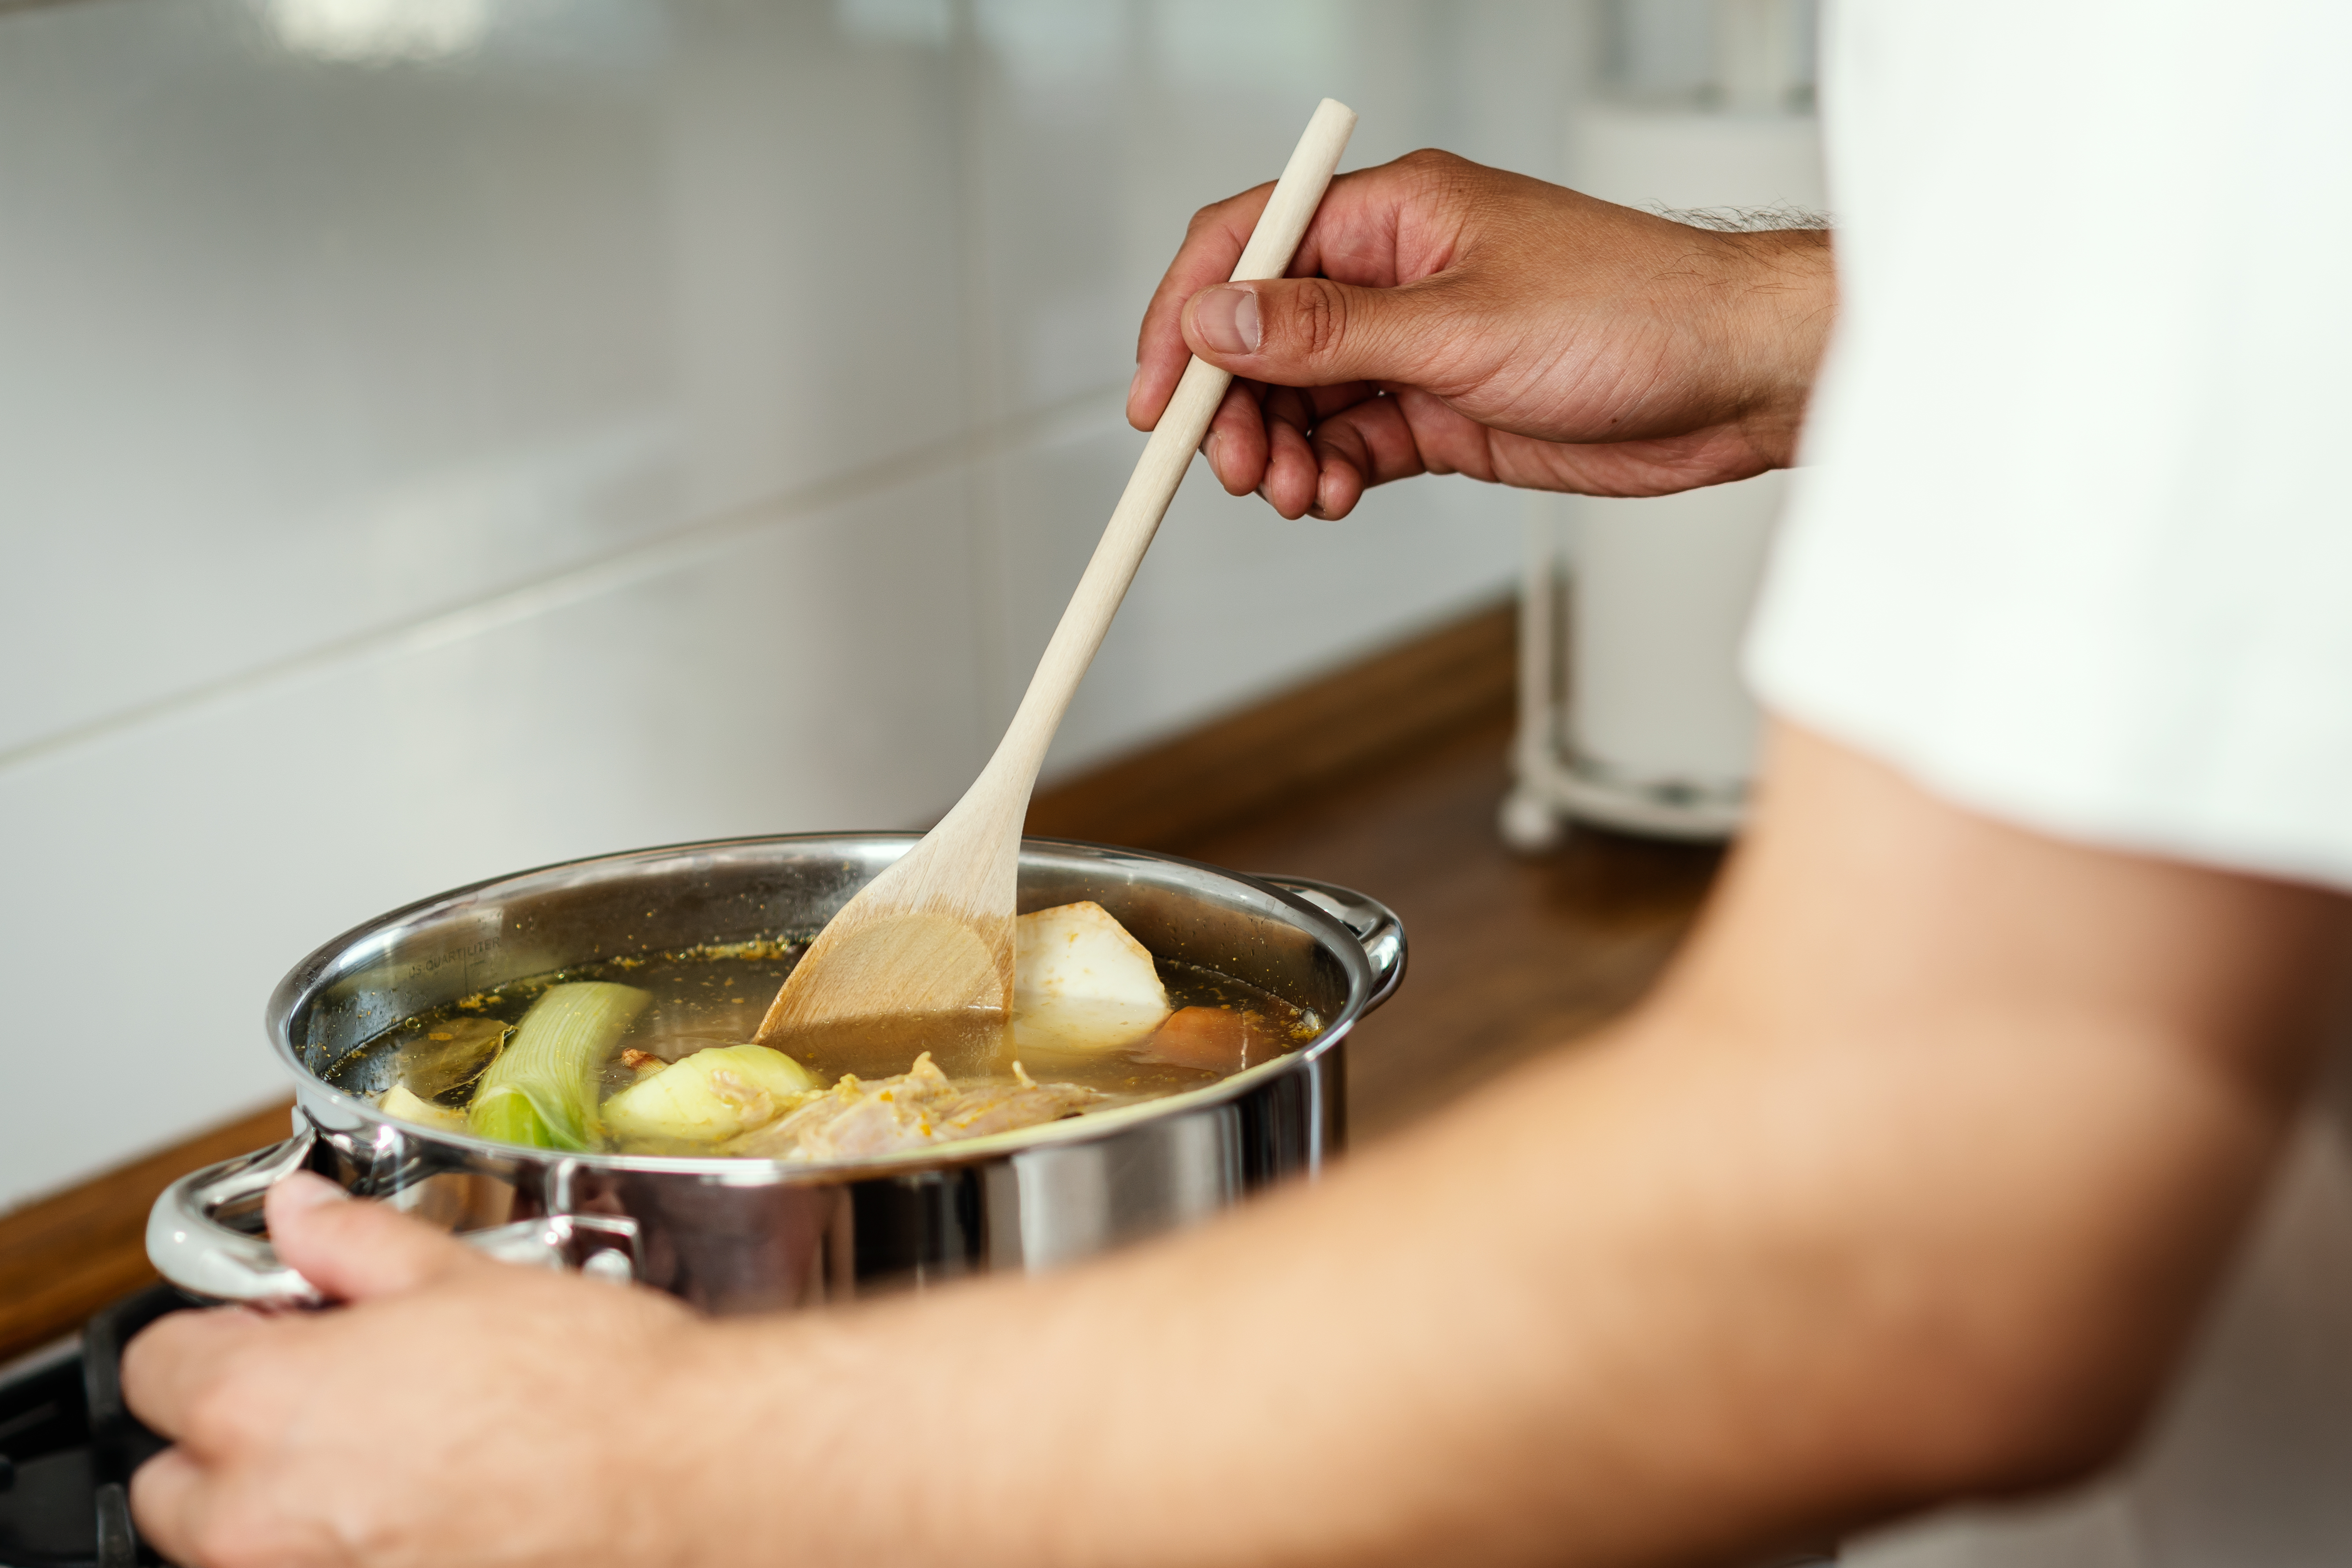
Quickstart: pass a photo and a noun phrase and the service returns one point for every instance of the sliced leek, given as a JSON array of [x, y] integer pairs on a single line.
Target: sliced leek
[[541, 1090]]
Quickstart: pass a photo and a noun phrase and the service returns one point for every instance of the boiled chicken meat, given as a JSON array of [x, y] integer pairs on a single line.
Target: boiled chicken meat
[[858, 1119]]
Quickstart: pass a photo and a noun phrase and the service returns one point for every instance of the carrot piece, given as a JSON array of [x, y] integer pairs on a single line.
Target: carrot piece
[[1213, 1040]]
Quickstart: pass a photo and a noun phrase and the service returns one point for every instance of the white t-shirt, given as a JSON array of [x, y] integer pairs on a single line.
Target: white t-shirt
[[2073, 547]]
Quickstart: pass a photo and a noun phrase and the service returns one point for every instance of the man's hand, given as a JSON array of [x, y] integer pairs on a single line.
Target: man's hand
[[458, 1411], [1446, 318]]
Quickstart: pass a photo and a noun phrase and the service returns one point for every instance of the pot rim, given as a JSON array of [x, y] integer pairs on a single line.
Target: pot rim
[[331, 960]]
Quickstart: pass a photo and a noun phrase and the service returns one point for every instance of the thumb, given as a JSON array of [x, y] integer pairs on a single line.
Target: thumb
[[1311, 332], [356, 1251]]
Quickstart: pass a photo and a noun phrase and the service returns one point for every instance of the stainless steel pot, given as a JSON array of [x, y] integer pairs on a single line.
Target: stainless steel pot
[[733, 1235]]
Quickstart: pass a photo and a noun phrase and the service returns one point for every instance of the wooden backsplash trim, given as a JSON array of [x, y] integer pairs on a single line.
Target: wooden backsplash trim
[[67, 1256], [1294, 743]]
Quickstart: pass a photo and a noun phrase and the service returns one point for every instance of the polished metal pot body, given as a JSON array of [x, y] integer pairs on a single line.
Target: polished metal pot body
[[733, 1235]]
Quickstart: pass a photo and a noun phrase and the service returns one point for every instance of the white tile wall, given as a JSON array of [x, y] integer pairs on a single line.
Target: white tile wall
[[1233, 601], [160, 875], [439, 436]]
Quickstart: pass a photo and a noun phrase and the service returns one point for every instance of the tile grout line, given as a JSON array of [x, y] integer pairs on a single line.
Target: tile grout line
[[585, 579]]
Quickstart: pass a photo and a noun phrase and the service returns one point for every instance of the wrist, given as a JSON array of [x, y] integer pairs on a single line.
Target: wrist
[[1780, 299]]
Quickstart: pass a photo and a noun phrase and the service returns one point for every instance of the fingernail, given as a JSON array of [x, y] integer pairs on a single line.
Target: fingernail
[[1228, 320], [1133, 382], [307, 1190], [1209, 450]]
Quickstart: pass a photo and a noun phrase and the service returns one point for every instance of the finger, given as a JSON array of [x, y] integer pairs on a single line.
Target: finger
[[199, 1516], [1236, 444], [1213, 245], [1319, 403], [170, 1365], [1312, 331], [1291, 416], [1372, 443], [1289, 485], [1375, 227], [167, 1501], [1339, 485], [357, 1251], [1376, 440]]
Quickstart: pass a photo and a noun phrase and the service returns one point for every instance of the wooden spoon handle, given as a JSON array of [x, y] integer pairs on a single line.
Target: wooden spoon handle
[[1165, 459], [933, 935]]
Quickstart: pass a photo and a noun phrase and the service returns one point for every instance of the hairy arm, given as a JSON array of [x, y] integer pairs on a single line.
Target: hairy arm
[[1910, 1183]]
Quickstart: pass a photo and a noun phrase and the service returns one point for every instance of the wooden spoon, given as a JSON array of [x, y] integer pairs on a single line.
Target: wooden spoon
[[926, 946]]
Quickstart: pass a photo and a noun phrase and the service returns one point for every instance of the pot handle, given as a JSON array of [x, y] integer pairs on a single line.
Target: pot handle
[[1369, 921], [195, 1252]]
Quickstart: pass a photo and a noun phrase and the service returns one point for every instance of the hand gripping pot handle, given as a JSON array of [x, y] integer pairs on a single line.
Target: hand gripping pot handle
[[194, 1251]]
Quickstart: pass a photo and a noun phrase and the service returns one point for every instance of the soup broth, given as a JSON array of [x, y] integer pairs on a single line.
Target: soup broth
[[714, 997]]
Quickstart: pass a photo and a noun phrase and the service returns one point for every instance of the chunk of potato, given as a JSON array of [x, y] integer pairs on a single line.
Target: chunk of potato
[[713, 1094], [1081, 985]]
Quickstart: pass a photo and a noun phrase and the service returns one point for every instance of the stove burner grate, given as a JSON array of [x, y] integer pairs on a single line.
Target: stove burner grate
[[67, 1447]]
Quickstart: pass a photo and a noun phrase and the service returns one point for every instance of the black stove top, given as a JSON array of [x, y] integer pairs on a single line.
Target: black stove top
[[67, 1447]]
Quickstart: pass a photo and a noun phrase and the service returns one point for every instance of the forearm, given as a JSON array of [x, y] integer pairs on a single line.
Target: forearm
[[1418, 1360], [1625, 1308], [1764, 1263]]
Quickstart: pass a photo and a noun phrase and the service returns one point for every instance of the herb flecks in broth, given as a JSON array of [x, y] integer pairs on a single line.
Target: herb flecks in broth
[[651, 1053]]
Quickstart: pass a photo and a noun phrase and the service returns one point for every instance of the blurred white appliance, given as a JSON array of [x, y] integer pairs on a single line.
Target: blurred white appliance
[[1632, 711]]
